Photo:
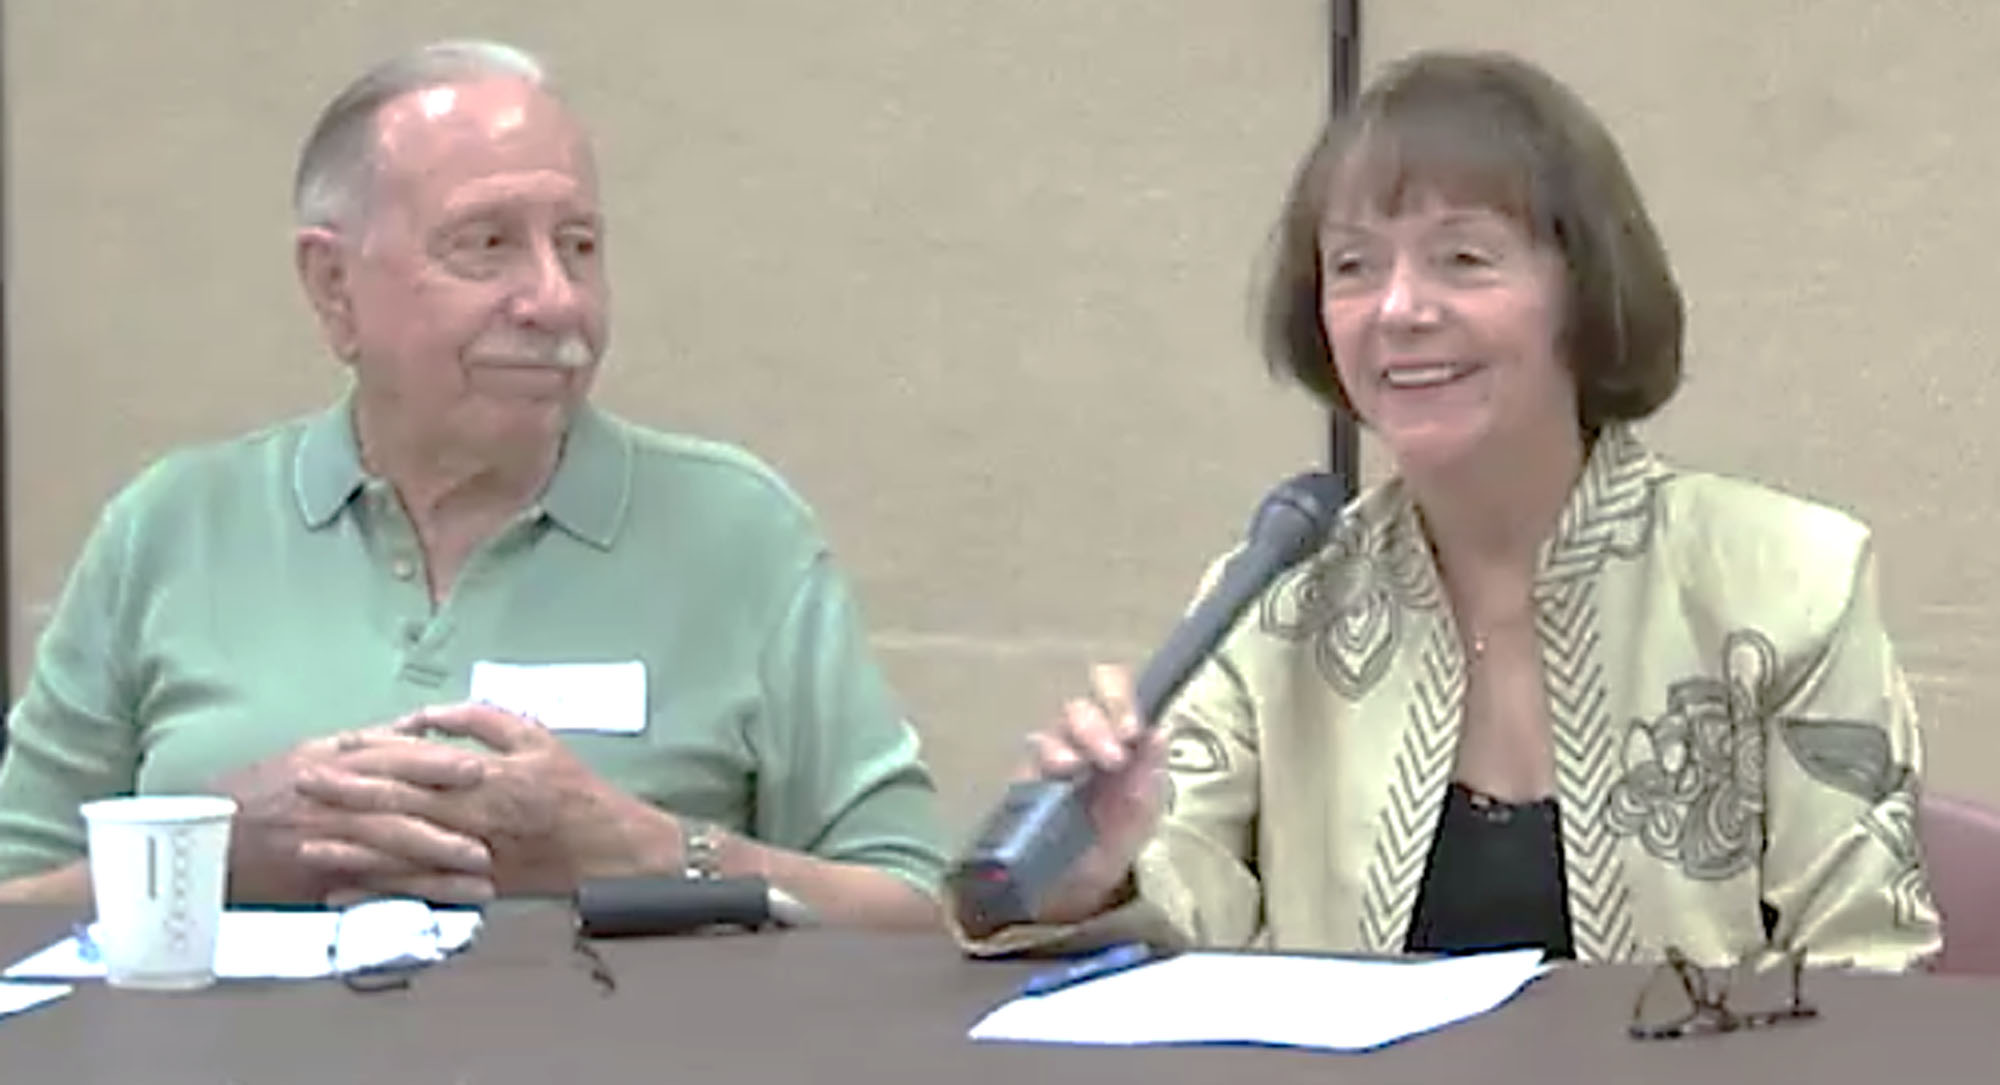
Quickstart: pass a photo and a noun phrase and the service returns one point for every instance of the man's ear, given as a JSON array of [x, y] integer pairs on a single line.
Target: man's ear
[[322, 258]]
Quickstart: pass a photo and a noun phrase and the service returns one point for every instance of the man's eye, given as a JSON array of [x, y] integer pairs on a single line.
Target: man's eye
[[477, 239]]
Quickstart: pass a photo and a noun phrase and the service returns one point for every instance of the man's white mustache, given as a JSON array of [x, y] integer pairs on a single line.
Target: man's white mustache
[[565, 352]]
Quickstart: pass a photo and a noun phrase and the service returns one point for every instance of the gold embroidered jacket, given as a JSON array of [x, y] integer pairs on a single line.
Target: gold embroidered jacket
[[1733, 736]]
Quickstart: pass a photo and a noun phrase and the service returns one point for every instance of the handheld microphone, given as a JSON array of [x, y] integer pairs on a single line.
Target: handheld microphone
[[1042, 826]]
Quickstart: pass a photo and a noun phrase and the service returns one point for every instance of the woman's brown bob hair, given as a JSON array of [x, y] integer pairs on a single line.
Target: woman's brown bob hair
[[1490, 130]]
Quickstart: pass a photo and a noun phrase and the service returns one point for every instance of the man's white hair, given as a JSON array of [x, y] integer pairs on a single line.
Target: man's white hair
[[336, 168]]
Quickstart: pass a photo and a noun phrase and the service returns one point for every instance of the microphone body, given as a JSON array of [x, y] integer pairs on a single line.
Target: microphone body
[[1041, 827], [644, 905]]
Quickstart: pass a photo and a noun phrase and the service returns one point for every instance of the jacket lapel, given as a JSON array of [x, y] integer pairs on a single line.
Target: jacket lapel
[[1610, 514]]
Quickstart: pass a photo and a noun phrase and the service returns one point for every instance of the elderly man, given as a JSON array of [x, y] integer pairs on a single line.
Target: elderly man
[[464, 634]]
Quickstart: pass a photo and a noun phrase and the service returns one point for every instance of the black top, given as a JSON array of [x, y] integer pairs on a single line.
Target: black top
[[1494, 879]]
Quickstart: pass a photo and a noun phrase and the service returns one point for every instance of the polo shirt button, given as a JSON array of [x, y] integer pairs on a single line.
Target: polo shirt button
[[413, 631], [403, 568]]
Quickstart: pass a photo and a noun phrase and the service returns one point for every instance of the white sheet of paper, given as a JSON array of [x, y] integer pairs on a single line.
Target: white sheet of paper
[[15, 997], [1319, 1002], [272, 945], [606, 697]]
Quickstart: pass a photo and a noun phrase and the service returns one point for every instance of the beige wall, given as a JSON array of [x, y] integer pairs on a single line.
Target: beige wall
[[974, 276]]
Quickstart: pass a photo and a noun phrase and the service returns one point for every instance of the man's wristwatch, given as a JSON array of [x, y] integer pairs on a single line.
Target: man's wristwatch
[[701, 847]]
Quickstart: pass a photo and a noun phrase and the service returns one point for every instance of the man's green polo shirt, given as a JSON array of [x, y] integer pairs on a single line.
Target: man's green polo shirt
[[240, 598]]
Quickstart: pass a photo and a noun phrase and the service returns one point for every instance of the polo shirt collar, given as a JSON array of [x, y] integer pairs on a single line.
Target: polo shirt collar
[[586, 497], [592, 486], [327, 472]]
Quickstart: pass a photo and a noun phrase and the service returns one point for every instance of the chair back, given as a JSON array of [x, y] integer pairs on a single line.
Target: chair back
[[1961, 842]]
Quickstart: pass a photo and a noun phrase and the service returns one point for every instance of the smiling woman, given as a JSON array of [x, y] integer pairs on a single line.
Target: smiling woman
[[1539, 688], [1492, 136], [1444, 325]]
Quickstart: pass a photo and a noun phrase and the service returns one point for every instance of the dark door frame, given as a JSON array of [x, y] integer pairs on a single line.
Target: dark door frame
[[1343, 455], [6, 482]]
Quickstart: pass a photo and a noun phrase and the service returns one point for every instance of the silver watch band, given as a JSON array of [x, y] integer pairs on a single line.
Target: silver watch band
[[701, 845]]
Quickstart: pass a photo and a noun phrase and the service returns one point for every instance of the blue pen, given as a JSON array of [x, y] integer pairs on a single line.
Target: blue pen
[[1118, 958], [86, 946]]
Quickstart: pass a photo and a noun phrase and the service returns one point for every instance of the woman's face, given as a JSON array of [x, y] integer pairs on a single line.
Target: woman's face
[[1445, 322]]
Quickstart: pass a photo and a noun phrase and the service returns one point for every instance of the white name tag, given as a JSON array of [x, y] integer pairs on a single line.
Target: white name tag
[[603, 697]]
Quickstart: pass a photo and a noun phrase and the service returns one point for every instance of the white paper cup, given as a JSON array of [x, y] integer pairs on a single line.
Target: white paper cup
[[158, 868]]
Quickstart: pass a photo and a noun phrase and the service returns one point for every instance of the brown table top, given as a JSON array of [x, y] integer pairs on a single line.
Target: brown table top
[[848, 1007]]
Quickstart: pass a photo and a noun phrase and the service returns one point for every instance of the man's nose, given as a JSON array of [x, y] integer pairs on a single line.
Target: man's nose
[[549, 295]]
